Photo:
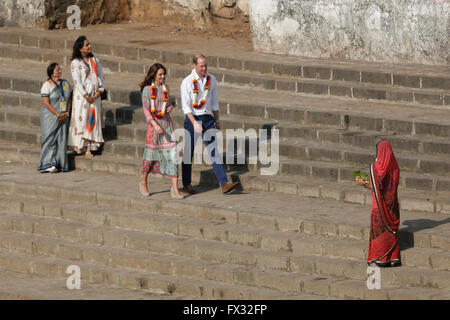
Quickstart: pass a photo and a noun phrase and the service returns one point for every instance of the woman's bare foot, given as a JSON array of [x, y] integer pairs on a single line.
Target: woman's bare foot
[[88, 155]]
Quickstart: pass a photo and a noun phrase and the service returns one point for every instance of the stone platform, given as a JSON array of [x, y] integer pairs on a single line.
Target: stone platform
[[300, 234]]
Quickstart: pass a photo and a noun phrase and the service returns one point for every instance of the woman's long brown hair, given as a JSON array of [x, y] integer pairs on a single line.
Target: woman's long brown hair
[[151, 74]]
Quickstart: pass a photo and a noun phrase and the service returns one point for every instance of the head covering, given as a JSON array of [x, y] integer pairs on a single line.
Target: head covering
[[386, 161]]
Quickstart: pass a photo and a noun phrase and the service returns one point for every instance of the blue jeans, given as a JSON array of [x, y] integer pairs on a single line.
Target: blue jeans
[[208, 122]]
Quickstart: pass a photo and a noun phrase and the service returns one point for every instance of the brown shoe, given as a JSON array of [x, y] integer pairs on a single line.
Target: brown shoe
[[188, 190], [229, 186]]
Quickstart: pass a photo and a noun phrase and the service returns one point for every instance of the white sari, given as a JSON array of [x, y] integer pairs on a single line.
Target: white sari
[[85, 129]]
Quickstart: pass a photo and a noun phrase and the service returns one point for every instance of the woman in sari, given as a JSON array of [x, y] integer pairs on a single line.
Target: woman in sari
[[384, 249], [86, 124], [160, 154], [55, 93]]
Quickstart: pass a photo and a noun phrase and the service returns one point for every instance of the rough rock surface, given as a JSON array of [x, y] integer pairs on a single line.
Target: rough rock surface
[[416, 31]]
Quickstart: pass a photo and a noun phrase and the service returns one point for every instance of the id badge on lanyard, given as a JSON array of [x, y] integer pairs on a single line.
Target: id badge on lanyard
[[63, 102]]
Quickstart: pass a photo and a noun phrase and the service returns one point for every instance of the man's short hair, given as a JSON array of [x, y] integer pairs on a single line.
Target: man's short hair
[[198, 56]]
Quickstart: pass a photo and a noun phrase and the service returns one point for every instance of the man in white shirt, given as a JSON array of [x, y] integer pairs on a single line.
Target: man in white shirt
[[201, 107]]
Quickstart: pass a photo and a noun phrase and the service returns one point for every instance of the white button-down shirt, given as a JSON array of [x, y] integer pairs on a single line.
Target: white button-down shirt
[[187, 93]]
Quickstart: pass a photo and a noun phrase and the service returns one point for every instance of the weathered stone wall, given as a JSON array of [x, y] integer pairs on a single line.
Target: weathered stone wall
[[413, 31], [22, 13], [52, 13]]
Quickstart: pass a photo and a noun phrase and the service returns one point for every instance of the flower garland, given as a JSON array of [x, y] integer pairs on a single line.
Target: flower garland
[[205, 93], [153, 110]]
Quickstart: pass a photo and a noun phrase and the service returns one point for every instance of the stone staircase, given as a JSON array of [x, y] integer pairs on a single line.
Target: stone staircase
[[299, 234]]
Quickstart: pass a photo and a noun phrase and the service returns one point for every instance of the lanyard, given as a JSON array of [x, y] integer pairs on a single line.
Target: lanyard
[[60, 87]]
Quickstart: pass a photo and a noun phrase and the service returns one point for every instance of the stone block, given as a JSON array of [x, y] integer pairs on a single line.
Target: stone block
[[366, 123], [289, 70], [419, 183], [433, 129], [265, 83], [324, 172], [286, 85], [67, 232], [253, 219], [112, 66], [346, 75], [417, 204], [288, 114], [69, 252], [311, 191], [150, 54], [177, 57], [443, 185], [230, 63], [5, 83], [241, 79], [217, 254], [258, 66], [321, 117], [440, 261], [10, 38], [376, 77], [243, 257], [312, 88], [321, 153], [430, 166], [45, 268], [96, 256], [436, 147], [317, 72], [395, 95], [125, 52], [435, 83], [282, 187], [24, 85], [342, 91], [426, 98], [406, 81], [318, 285], [130, 67], [368, 93], [114, 239], [102, 48], [289, 283], [349, 289], [305, 246], [279, 262]]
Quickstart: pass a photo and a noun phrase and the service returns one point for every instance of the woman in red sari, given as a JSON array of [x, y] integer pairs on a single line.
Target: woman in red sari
[[384, 249]]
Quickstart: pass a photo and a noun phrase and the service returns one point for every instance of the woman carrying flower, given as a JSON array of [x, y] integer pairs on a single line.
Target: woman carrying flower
[[384, 249]]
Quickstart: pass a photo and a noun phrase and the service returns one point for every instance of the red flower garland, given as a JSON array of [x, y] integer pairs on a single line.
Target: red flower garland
[[203, 101], [162, 113]]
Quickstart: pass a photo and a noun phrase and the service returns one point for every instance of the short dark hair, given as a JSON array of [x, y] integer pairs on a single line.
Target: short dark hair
[[79, 43], [51, 69]]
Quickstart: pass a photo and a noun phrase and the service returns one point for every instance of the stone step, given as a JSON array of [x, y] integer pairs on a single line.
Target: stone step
[[349, 89], [419, 173], [351, 224], [257, 63], [242, 236], [116, 114], [310, 186], [87, 245], [298, 148], [144, 282], [21, 286], [280, 266], [338, 113]]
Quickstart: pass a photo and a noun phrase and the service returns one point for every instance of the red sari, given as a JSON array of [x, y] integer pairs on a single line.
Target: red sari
[[384, 248]]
